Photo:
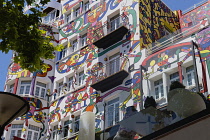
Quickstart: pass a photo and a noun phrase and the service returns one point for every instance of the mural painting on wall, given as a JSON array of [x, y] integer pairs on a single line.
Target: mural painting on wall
[[77, 100], [195, 17], [16, 71], [153, 27], [81, 99], [203, 39], [164, 58], [37, 113], [92, 18], [75, 61]]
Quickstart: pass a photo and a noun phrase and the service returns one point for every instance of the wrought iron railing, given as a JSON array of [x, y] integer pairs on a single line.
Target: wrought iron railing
[[110, 68], [110, 26]]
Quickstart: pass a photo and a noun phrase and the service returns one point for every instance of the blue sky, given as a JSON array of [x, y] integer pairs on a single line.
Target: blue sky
[[4, 62], [181, 4], [172, 4]]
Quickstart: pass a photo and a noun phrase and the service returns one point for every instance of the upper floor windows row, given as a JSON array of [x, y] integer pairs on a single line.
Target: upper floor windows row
[[67, 124], [77, 11], [73, 45], [32, 132], [189, 80], [25, 87], [70, 84]]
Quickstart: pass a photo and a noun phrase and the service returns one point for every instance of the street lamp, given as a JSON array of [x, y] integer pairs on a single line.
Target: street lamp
[[11, 107]]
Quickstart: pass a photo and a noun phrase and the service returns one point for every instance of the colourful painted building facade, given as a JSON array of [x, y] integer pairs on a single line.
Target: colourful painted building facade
[[117, 52]]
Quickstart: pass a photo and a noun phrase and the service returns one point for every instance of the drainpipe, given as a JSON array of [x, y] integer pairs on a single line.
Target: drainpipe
[[104, 120], [141, 87]]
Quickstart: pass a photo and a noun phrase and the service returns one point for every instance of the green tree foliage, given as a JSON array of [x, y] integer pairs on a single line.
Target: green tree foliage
[[19, 32]]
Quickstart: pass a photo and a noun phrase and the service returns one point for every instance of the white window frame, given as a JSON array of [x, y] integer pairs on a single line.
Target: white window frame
[[158, 87], [77, 12], [55, 132], [11, 88], [60, 88], [190, 76], [81, 78], [64, 52], [66, 127], [34, 130], [86, 6], [113, 64], [76, 123], [74, 45], [16, 129], [68, 18], [174, 77], [70, 83], [25, 87], [113, 112], [83, 40], [114, 22], [40, 89]]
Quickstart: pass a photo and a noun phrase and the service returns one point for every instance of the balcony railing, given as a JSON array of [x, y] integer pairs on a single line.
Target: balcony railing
[[110, 68], [170, 39], [194, 6], [110, 26], [52, 22]]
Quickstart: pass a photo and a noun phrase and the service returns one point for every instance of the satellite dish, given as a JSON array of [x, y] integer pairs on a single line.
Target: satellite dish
[[185, 103]]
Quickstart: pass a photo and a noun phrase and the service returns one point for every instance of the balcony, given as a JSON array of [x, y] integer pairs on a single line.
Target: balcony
[[113, 31], [176, 36], [110, 74]]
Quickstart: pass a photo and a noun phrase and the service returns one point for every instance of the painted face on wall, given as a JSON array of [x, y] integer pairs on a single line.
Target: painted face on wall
[[15, 67], [95, 13]]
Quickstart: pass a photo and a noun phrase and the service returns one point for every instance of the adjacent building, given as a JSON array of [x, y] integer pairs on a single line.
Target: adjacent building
[[117, 52]]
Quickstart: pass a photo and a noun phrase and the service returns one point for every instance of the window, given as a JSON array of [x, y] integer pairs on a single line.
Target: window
[[81, 78], [16, 130], [68, 18], [63, 52], [190, 75], [66, 128], [55, 132], [74, 45], [174, 77], [77, 12], [70, 83], [158, 88], [11, 88], [60, 88], [76, 123], [40, 89], [25, 87], [114, 63], [113, 112], [86, 6], [114, 22], [83, 40], [33, 132]]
